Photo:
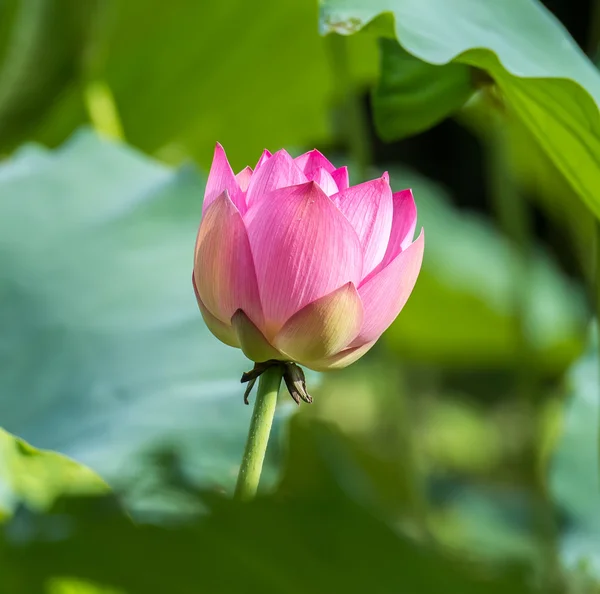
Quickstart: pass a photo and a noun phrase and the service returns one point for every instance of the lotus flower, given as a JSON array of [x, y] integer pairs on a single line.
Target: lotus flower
[[294, 264]]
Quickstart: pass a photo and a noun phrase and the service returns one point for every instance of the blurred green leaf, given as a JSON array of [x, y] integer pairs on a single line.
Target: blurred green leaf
[[43, 48], [540, 73], [463, 310], [537, 176], [103, 354], [409, 457], [413, 95], [39, 477], [71, 586], [185, 74], [316, 540], [575, 478]]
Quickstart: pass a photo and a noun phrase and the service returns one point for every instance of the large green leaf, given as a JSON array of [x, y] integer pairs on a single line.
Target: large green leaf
[[184, 74], [310, 538], [412, 95], [38, 477], [43, 45], [463, 310], [103, 354], [542, 76]]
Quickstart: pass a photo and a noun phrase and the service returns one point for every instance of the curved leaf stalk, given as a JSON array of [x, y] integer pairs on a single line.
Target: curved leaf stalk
[[353, 126], [512, 211], [97, 94]]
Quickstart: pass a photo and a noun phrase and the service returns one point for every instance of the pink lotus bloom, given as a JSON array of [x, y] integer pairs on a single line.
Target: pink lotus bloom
[[292, 263]]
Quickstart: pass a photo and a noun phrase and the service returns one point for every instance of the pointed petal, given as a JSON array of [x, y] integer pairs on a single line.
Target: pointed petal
[[404, 223], [385, 293], [322, 328], [220, 178], [341, 178], [223, 265], [277, 172], [251, 339], [224, 332], [266, 155], [304, 248], [325, 182], [310, 162], [341, 359], [243, 178], [369, 208]]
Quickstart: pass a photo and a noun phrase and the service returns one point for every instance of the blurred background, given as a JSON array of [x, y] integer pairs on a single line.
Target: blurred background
[[460, 454]]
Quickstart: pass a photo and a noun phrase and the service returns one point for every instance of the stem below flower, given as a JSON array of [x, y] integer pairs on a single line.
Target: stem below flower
[[258, 435]]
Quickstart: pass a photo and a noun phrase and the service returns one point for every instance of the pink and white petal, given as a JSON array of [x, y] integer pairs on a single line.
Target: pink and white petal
[[386, 292], [220, 178], [223, 264], [312, 161], [404, 223], [369, 208], [277, 172], [266, 155], [224, 332], [325, 182], [341, 178], [322, 328], [341, 359], [251, 340], [304, 248], [243, 178]]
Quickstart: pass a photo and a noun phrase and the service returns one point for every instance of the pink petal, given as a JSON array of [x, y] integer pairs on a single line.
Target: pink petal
[[385, 293], [341, 178], [325, 182], [251, 340], [277, 172], [322, 328], [266, 155], [243, 178], [304, 248], [404, 223], [223, 264], [369, 208], [341, 359], [220, 178], [222, 331], [312, 161]]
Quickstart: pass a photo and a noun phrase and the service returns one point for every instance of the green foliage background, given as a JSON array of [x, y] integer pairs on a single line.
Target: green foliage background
[[459, 455]]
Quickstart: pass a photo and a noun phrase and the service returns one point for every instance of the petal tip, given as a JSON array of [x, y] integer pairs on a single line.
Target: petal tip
[[406, 194], [220, 152]]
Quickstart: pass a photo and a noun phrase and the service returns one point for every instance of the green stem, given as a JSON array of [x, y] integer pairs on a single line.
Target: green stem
[[597, 298], [102, 109], [407, 438], [352, 126], [594, 274], [514, 218], [258, 435], [97, 95]]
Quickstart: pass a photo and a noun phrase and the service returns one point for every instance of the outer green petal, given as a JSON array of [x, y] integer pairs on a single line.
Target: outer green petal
[[322, 328], [252, 341], [342, 359]]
